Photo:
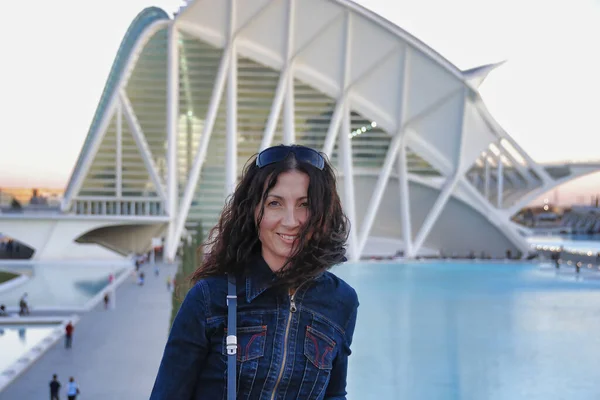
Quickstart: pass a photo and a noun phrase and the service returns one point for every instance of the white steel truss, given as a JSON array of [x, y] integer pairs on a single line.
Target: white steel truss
[[142, 145]]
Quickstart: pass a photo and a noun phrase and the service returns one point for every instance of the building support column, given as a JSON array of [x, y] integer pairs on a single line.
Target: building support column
[[172, 124], [349, 193], [404, 198], [487, 177], [289, 125], [232, 131], [345, 145], [402, 159], [500, 182]]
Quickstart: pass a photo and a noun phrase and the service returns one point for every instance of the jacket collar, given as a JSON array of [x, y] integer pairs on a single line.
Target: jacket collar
[[259, 277]]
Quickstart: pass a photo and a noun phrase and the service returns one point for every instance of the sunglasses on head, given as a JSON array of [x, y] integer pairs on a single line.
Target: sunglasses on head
[[279, 153]]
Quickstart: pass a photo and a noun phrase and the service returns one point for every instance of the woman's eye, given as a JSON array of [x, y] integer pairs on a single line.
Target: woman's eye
[[273, 203], [305, 205]]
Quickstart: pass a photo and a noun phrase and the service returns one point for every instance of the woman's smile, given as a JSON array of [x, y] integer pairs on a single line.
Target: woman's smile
[[289, 239]]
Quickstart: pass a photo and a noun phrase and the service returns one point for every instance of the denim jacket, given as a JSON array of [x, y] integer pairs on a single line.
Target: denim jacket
[[289, 347]]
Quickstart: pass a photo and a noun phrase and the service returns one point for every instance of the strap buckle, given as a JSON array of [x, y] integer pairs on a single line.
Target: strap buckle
[[231, 345], [230, 297]]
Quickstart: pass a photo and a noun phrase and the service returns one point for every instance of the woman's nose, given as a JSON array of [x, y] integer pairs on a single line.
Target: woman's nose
[[290, 219]]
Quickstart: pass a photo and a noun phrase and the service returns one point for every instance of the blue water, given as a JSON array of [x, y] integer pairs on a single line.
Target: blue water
[[474, 331]]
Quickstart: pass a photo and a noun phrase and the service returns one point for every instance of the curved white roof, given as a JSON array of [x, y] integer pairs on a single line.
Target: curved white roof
[[378, 52]]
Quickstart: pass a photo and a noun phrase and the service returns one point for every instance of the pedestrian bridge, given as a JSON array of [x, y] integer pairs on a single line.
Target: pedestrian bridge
[[54, 235]]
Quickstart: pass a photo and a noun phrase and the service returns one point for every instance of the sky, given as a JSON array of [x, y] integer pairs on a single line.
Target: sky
[[57, 55]]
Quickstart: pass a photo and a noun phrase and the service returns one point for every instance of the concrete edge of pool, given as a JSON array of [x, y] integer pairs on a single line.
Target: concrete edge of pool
[[26, 360]]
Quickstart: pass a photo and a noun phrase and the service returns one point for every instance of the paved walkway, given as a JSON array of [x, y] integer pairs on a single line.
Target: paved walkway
[[115, 354]]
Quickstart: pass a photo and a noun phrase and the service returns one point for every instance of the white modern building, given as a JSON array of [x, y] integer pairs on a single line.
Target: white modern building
[[421, 162]]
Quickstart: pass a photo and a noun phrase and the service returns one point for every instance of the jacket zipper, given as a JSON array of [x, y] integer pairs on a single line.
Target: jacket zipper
[[293, 309]]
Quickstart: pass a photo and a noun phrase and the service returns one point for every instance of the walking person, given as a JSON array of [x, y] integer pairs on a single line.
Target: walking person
[[106, 300], [279, 234], [72, 389], [54, 387], [69, 335], [23, 305]]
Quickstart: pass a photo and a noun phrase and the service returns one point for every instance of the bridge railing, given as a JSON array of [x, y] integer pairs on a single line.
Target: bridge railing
[[118, 207], [33, 200]]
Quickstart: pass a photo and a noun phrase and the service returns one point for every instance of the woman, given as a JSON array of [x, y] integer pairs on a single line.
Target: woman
[[72, 389], [279, 233]]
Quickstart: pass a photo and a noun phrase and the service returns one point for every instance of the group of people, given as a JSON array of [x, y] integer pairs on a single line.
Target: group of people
[[72, 388], [140, 276]]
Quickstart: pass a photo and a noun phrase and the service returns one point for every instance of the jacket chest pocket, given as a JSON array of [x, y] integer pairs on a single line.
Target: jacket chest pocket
[[250, 342], [320, 350], [250, 351]]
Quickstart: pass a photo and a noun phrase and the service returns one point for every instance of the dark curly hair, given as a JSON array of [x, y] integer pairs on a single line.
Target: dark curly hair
[[235, 239]]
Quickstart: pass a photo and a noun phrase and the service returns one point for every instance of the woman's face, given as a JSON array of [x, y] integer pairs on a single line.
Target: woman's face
[[285, 212]]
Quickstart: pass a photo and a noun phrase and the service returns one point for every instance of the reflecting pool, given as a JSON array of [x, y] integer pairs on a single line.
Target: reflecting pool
[[54, 286], [17, 340], [452, 330]]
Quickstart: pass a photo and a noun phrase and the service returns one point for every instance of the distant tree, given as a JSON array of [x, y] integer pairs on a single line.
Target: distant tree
[[193, 254], [15, 204]]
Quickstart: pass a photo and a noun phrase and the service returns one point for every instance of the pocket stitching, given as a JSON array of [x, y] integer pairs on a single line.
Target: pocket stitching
[[247, 350], [319, 359], [320, 335]]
